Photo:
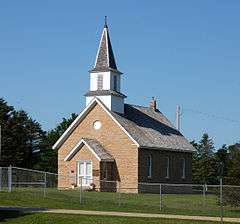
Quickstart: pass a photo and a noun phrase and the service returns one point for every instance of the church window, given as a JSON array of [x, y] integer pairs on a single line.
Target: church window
[[97, 125], [149, 166], [100, 82], [167, 165], [183, 168]]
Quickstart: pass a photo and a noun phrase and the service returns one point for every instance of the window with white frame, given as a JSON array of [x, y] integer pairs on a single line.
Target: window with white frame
[[149, 166], [183, 168], [167, 167], [100, 82]]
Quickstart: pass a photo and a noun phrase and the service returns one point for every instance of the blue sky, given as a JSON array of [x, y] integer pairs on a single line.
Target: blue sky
[[182, 52]]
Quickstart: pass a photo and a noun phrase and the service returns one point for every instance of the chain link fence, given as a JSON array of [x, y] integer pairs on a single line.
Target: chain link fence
[[186, 199]]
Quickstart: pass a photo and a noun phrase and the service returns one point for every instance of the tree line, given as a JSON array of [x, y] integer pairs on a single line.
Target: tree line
[[25, 144], [23, 141], [209, 163]]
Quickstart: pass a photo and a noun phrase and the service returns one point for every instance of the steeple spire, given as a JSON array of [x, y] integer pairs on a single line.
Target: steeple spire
[[105, 79], [105, 25], [105, 60]]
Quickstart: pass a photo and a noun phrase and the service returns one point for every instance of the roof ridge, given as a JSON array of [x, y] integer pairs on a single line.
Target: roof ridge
[[145, 107]]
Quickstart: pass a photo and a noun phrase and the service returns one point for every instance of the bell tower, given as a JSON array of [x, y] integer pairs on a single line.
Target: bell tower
[[105, 78]]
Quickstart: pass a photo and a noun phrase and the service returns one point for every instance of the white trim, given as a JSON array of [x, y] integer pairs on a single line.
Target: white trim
[[121, 127], [77, 147], [81, 116]]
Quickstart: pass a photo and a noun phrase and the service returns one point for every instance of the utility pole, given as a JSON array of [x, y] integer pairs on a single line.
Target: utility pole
[[178, 118]]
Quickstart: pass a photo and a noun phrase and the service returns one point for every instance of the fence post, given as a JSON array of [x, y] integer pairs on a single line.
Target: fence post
[[119, 194], [221, 200], [160, 195], [45, 184], [204, 194], [0, 178], [10, 178], [80, 190]]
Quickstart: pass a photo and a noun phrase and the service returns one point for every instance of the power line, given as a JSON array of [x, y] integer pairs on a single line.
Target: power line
[[214, 116]]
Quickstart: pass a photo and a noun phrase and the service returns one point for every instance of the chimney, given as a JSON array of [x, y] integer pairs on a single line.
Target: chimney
[[153, 104]]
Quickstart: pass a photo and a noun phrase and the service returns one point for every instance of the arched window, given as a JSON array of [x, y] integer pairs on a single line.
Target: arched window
[[149, 166], [183, 168]]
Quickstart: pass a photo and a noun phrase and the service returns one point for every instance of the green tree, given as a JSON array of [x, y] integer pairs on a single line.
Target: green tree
[[232, 197], [204, 162], [21, 137], [234, 163], [222, 156], [48, 157]]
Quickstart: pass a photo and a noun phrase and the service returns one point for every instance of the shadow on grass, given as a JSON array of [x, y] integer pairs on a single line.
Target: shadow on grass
[[7, 215], [12, 213]]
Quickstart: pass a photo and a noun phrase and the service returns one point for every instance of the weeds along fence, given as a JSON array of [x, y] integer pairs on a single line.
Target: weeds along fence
[[187, 199]]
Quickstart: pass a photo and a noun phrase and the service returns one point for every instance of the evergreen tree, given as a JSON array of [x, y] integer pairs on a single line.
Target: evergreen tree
[[48, 156], [204, 162], [222, 156], [234, 164], [21, 136]]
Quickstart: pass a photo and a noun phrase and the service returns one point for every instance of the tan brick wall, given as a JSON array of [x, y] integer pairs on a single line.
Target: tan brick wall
[[83, 154], [158, 164], [112, 138]]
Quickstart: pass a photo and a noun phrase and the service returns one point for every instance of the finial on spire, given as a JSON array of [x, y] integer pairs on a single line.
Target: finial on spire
[[105, 22]]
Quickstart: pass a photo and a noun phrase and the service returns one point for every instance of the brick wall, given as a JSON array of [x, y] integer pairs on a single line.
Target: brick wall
[[112, 138], [159, 163]]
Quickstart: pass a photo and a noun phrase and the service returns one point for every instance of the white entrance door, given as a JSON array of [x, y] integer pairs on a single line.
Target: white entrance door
[[84, 173]]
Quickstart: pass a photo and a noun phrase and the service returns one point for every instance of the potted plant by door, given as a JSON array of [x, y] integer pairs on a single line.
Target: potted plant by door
[[93, 187], [73, 185]]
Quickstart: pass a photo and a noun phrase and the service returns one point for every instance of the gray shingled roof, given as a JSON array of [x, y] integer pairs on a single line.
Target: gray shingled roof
[[99, 150], [105, 60], [104, 93], [151, 129]]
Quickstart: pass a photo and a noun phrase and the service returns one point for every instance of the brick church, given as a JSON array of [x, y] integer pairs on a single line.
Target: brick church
[[114, 141]]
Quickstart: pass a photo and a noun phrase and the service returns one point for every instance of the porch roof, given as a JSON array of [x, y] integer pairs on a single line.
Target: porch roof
[[94, 146]]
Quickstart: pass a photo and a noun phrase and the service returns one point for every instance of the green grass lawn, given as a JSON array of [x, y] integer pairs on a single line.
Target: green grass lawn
[[147, 203], [45, 218]]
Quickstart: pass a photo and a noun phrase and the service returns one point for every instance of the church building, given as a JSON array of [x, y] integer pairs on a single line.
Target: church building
[[118, 143]]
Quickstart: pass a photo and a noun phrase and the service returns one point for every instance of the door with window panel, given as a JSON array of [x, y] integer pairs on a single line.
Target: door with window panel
[[84, 173]]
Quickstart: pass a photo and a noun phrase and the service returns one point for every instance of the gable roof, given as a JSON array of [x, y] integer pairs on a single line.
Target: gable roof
[[146, 127], [94, 146], [82, 115], [105, 60], [151, 129]]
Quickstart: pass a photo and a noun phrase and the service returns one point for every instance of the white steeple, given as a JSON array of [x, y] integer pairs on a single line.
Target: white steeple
[[105, 79]]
